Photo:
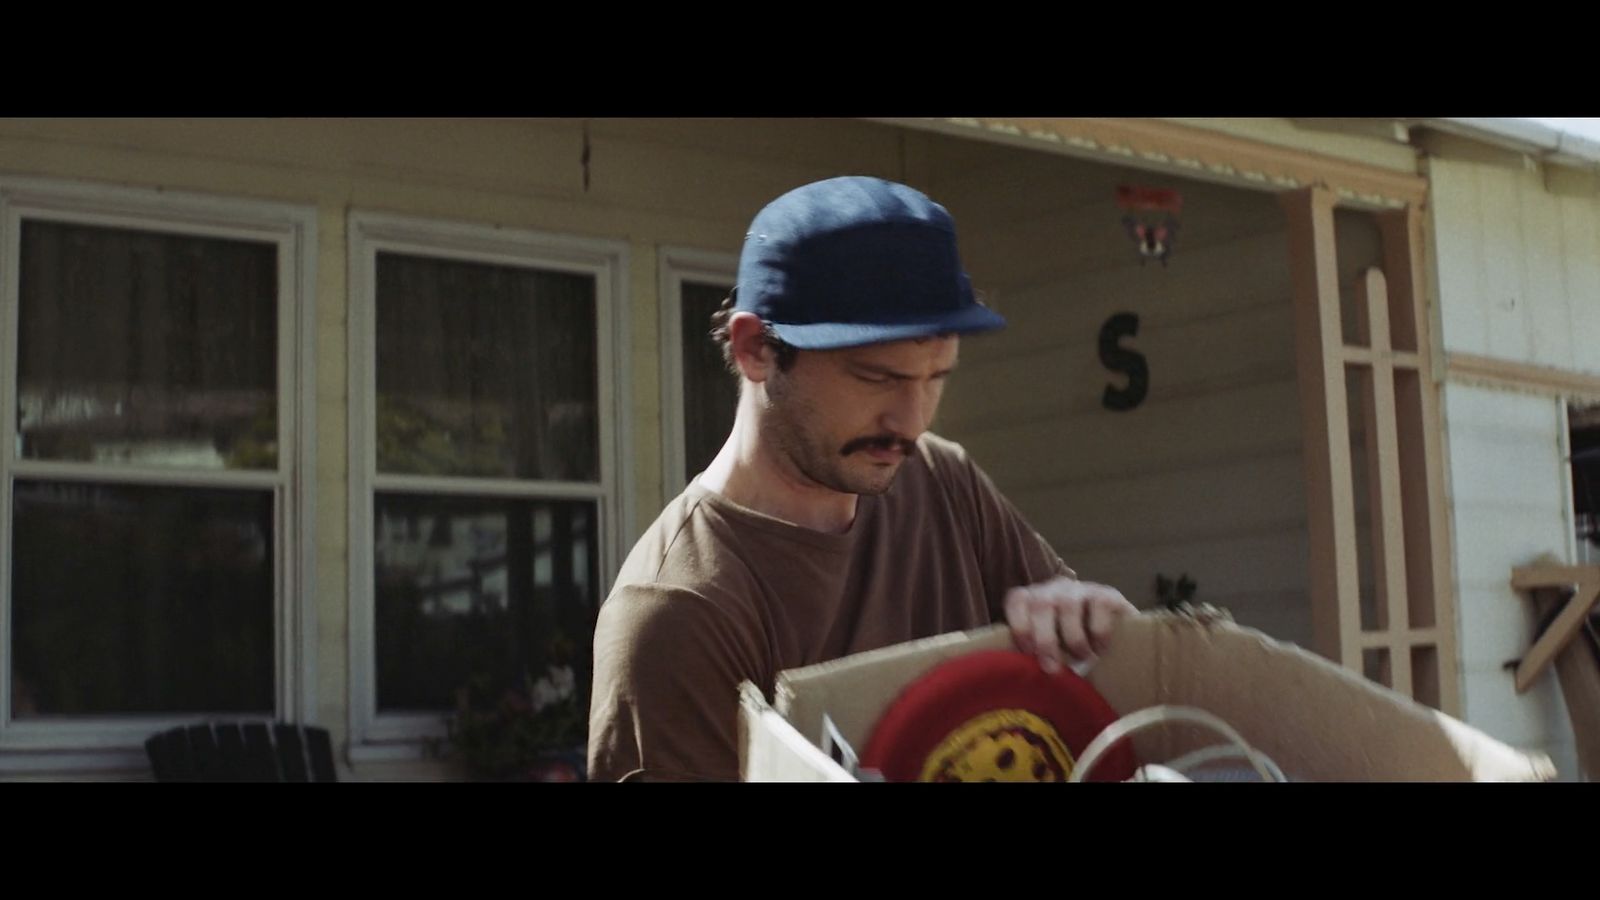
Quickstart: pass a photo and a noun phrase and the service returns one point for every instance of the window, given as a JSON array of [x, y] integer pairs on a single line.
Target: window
[[154, 537], [698, 394], [1583, 444], [485, 449]]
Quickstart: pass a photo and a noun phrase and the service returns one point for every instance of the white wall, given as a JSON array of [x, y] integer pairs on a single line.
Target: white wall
[[1518, 265], [1518, 275], [1508, 492]]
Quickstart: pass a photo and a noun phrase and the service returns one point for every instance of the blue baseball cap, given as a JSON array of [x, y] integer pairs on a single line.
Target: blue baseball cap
[[857, 260]]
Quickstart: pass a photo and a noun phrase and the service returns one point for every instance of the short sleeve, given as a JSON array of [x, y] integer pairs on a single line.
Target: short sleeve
[[668, 663]]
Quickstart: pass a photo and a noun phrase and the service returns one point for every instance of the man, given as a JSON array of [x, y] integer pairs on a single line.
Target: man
[[832, 521]]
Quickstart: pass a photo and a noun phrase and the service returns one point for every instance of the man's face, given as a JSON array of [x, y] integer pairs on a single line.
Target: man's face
[[848, 418]]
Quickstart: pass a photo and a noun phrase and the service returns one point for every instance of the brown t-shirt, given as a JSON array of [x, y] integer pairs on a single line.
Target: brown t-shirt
[[715, 593]]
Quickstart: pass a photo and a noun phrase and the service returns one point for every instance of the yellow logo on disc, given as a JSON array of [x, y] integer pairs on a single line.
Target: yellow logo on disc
[[1000, 745]]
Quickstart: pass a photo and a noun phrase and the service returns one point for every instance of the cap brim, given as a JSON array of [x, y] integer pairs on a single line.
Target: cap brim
[[974, 319]]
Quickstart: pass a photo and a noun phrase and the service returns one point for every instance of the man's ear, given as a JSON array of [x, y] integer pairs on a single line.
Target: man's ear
[[755, 358]]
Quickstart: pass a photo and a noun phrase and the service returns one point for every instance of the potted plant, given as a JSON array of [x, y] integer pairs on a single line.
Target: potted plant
[[534, 730]]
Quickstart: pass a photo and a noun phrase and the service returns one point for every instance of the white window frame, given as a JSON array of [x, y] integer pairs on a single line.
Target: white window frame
[[116, 742], [388, 736], [677, 265]]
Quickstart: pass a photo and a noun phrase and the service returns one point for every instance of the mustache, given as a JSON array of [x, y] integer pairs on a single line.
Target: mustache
[[879, 442]]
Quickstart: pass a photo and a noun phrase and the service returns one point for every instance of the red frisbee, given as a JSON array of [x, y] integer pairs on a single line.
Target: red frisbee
[[994, 716]]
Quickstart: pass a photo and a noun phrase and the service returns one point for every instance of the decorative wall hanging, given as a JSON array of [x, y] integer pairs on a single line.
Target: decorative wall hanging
[[1151, 217]]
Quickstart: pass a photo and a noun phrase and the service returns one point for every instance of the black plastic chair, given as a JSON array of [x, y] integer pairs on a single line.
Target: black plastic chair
[[254, 751]]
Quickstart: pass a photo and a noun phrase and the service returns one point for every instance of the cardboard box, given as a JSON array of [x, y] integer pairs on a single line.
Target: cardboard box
[[1316, 720]]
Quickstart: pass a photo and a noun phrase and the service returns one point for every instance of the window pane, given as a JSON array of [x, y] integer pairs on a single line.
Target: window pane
[[486, 370], [710, 392], [480, 586], [141, 600], [147, 348]]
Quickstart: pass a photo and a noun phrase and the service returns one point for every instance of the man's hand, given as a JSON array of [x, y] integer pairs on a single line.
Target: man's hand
[[1065, 618]]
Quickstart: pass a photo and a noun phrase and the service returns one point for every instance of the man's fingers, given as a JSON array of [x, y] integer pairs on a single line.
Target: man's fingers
[[1070, 624], [1103, 614], [1017, 617], [1064, 618], [1042, 616]]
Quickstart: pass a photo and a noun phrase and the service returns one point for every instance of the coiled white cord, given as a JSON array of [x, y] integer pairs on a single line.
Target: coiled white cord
[[1159, 715]]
